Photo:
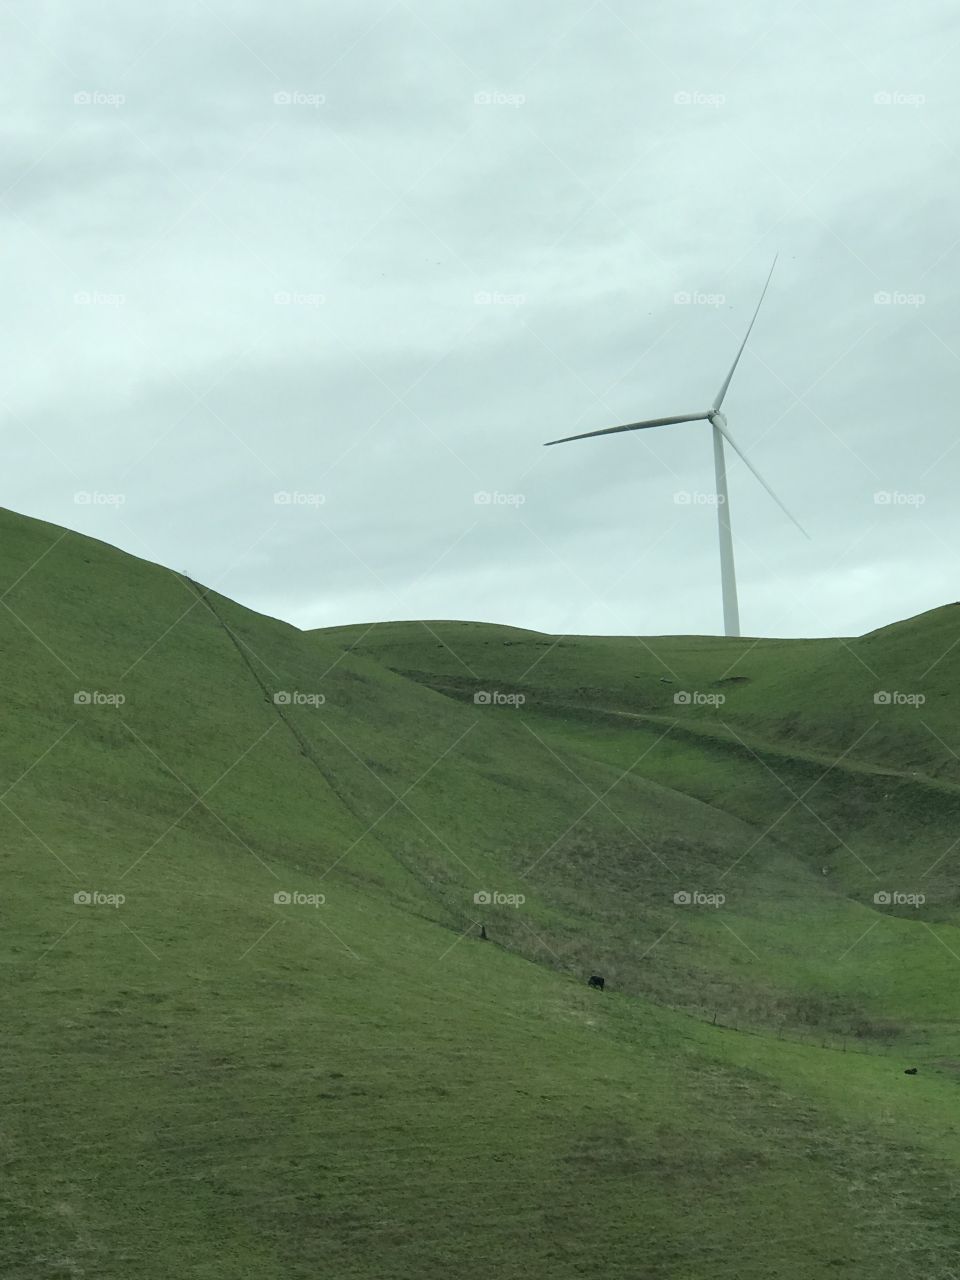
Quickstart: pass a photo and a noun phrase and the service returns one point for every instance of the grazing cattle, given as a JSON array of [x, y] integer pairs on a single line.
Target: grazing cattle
[[596, 981], [910, 1071]]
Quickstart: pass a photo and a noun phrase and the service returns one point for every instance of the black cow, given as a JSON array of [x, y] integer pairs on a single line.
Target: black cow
[[910, 1071], [596, 981]]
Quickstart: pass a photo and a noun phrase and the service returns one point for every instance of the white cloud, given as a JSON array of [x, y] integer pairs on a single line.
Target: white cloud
[[399, 198]]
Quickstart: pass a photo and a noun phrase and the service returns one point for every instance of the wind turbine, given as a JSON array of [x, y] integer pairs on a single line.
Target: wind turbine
[[718, 423]]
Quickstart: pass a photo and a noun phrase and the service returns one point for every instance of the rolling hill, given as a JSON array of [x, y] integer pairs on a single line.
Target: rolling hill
[[251, 1028]]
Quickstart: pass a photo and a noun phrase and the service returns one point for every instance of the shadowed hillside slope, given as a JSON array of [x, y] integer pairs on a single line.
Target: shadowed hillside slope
[[840, 757]]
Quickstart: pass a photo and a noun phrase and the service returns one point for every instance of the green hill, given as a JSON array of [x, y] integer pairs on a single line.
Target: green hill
[[272, 1044]]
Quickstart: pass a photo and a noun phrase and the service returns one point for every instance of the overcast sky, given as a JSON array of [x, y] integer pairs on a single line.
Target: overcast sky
[[371, 255]]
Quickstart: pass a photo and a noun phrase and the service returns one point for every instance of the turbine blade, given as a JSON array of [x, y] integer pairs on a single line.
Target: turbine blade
[[733, 444], [635, 426], [726, 382]]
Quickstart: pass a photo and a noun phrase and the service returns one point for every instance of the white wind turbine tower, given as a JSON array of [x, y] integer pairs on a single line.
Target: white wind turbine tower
[[728, 579]]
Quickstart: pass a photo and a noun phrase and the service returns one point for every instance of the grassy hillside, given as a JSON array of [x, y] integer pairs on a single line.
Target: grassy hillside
[[204, 1080], [812, 795]]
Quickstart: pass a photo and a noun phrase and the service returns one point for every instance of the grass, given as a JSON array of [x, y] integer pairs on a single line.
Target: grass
[[202, 1081]]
